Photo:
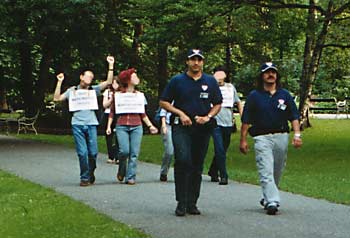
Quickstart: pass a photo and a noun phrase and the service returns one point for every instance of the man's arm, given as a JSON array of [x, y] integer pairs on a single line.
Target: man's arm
[[104, 84], [297, 142], [243, 145], [213, 111], [185, 120], [57, 95]]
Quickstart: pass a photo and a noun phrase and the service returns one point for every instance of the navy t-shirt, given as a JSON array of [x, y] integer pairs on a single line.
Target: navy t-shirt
[[193, 97], [269, 113]]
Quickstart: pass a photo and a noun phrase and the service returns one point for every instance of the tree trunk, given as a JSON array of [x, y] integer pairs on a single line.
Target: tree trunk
[[162, 67], [42, 84], [312, 55], [136, 46], [26, 70], [3, 101], [228, 49]]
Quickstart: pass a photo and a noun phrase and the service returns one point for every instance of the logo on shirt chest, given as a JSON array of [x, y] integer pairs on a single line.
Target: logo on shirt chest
[[281, 104], [204, 95]]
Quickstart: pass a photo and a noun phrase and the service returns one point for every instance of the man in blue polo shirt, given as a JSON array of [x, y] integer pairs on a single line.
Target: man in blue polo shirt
[[268, 110], [196, 99]]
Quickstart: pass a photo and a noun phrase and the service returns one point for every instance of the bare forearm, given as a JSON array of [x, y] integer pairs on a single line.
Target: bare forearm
[[244, 131], [57, 93], [296, 127]]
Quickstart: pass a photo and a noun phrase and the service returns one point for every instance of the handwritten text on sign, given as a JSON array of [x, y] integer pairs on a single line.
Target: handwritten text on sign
[[227, 96], [129, 103], [82, 100]]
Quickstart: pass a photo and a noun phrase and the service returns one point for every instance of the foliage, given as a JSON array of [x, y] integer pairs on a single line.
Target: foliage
[[41, 38]]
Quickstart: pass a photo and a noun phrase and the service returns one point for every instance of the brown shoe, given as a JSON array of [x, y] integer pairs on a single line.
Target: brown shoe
[[120, 177], [84, 183]]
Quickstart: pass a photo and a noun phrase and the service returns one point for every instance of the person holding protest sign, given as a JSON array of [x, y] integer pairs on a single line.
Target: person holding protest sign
[[129, 106], [111, 140], [83, 102], [225, 121]]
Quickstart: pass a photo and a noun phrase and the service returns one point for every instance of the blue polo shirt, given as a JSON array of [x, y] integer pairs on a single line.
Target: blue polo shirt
[[193, 97], [269, 113]]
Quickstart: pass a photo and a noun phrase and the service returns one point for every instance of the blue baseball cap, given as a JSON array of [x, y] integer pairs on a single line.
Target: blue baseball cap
[[195, 52], [268, 65]]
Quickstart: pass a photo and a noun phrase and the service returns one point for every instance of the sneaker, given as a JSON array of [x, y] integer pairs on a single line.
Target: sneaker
[[271, 210], [163, 178], [131, 182], [262, 203], [180, 210], [223, 181], [84, 183], [193, 210]]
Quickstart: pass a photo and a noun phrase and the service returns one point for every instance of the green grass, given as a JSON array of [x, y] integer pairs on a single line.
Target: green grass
[[319, 169], [29, 210]]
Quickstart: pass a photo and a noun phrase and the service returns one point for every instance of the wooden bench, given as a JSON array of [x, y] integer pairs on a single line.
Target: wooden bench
[[328, 104], [7, 117]]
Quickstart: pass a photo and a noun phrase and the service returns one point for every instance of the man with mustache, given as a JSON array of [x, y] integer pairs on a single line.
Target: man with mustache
[[268, 110]]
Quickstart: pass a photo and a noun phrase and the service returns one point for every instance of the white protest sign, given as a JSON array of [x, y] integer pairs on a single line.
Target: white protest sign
[[227, 95], [129, 102], [82, 100]]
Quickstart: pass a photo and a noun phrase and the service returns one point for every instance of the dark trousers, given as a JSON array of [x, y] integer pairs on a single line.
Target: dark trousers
[[222, 138], [190, 147], [111, 140]]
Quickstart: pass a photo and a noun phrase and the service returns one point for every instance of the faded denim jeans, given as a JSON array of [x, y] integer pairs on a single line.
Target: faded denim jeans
[[271, 155], [168, 151], [129, 140], [85, 137]]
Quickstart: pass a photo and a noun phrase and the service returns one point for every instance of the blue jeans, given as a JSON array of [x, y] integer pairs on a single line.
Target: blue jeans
[[85, 137], [270, 155], [168, 151], [129, 140], [222, 138], [190, 147]]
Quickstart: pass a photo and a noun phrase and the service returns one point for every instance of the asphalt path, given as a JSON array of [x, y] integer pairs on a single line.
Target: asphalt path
[[227, 211]]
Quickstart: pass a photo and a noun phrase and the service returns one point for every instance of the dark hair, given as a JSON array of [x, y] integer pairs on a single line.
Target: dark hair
[[220, 68], [83, 70], [260, 81]]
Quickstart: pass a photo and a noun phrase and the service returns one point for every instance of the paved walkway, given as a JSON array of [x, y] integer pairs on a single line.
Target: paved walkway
[[227, 211]]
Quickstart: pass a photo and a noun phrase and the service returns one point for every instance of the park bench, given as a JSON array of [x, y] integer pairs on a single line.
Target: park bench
[[24, 123], [331, 105]]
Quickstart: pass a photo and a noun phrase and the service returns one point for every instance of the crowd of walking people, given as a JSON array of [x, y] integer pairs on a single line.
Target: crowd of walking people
[[194, 107]]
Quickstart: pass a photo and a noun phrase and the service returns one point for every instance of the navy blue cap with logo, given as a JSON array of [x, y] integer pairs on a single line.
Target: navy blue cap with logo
[[268, 65], [195, 52]]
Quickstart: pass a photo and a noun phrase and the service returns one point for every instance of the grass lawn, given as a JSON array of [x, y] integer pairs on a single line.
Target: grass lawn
[[319, 169], [29, 210]]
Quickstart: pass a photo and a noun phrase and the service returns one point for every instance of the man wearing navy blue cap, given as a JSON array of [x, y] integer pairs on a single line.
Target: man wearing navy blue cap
[[196, 99], [268, 110]]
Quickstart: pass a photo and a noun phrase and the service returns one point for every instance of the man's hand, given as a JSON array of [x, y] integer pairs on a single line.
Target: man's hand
[[60, 77], [110, 60], [243, 146], [297, 142], [202, 120], [185, 120], [108, 130]]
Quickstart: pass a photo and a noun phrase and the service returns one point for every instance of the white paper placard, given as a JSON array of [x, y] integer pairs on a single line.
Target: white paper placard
[[82, 99], [227, 96], [129, 102]]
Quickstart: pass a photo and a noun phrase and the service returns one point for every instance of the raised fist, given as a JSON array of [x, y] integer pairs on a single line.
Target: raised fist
[[110, 59], [60, 77]]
